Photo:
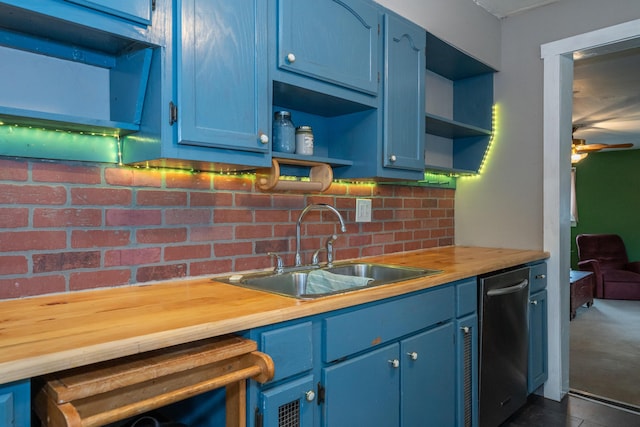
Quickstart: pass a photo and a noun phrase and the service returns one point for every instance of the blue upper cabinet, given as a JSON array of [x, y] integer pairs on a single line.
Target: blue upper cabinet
[[133, 19], [222, 75], [138, 11], [403, 94], [324, 62], [333, 41], [211, 103], [398, 152], [75, 68]]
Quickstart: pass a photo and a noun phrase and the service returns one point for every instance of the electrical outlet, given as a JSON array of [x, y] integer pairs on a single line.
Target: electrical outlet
[[363, 210]]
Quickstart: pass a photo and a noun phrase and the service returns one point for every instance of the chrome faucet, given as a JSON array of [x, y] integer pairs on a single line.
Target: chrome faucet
[[318, 206]]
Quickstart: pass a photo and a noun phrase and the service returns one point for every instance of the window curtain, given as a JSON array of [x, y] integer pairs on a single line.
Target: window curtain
[[574, 203]]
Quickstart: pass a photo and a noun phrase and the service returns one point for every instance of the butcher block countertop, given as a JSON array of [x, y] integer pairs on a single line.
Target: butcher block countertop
[[55, 332]]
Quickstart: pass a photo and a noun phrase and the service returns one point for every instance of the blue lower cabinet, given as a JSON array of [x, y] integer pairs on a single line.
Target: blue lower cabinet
[[538, 372], [15, 404], [364, 390], [538, 369], [290, 404], [428, 387], [402, 362]]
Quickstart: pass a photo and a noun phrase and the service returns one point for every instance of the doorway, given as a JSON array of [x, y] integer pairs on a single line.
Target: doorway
[[558, 86]]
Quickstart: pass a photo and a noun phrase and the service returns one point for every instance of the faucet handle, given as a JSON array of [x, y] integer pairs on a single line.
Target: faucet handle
[[279, 268], [330, 241], [316, 255]]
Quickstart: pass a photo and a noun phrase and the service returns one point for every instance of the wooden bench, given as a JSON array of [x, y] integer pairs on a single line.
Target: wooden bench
[[111, 391]]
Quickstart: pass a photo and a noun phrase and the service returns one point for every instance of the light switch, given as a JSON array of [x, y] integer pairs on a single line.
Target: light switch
[[363, 210]]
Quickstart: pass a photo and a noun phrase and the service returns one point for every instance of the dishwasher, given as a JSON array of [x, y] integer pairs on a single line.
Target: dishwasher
[[503, 325]]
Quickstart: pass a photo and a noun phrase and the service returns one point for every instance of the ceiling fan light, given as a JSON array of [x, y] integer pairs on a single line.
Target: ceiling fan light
[[576, 157]]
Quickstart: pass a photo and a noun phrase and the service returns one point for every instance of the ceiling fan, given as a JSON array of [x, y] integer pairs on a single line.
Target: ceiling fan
[[580, 149]]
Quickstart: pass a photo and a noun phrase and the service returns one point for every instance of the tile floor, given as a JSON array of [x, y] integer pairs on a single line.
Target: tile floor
[[572, 411]]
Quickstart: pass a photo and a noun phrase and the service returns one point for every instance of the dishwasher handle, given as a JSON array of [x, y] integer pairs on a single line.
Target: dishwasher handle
[[508, 290]]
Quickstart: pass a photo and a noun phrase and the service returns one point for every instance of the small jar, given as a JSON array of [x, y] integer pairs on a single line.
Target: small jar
[[304, 140], [283, 133]]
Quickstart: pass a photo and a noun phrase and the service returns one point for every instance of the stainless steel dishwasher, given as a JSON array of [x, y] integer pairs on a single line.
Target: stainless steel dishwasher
[[503, 324]]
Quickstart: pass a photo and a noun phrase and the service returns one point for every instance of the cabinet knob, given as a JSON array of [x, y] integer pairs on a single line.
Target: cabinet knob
[[291, 58], [392, 158], [395, 363], [541, 276], [310, 395], [264, 138], [465, 329], [413, 355], [533, 301]]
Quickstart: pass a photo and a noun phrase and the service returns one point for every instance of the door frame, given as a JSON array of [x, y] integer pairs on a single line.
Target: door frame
[[558, 102]]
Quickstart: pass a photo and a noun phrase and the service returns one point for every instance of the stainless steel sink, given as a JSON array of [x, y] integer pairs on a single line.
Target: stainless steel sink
[[381, 273], [294, 283]]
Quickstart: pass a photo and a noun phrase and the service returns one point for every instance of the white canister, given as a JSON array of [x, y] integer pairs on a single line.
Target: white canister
[[304, 140]]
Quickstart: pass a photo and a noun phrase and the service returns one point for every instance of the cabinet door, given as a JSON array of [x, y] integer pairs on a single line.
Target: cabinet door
[[15, 404], [222, 74], [538, 372], [290, 404], [133, 10], [467, 371], [404, 102], [428, 378], [363, 391], [330, 40], [538, 277]]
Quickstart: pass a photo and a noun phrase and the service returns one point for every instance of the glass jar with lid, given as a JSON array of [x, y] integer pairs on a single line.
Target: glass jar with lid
[[304, 140], [283, 133]]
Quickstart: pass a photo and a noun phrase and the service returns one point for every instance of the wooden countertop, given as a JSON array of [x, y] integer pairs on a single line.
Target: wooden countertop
[[56, 332]]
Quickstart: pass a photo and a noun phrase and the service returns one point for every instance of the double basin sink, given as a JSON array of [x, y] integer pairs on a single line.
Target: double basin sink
[[314, 282]]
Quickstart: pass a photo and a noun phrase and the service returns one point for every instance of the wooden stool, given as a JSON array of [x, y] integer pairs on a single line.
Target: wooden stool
[[102, 393]]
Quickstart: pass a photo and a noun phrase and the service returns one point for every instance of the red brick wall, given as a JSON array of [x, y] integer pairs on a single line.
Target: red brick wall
[[65, 227]]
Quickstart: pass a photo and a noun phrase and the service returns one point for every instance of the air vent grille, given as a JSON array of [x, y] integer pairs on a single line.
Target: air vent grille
[[289, 414], [467, 376]]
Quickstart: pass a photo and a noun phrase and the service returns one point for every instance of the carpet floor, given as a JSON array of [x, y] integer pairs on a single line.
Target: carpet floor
[[605, 351]]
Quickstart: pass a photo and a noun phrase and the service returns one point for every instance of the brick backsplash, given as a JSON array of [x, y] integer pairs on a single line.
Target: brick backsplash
[[67, 226]]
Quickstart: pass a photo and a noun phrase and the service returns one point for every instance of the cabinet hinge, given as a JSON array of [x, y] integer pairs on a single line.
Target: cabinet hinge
[[258, 418], [321, 392], [153, 5], [378, 29], [173, 113]]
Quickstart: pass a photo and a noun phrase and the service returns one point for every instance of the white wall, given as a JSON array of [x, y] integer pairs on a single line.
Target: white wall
[[503, 206]]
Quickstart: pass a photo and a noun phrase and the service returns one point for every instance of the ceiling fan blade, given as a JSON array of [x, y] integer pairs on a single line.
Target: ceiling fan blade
[[589, 148], [627, 145]]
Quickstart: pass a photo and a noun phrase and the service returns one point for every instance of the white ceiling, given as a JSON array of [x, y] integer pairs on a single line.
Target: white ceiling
[[606, 97], [504, 8]]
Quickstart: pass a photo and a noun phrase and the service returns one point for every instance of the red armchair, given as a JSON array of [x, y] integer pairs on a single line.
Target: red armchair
[[605, 255]]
